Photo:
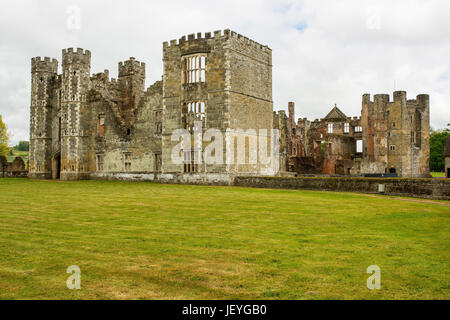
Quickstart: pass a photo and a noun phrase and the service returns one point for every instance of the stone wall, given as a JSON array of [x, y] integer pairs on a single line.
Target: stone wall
[[396, 135], [422, 188], [12, 169], [390, 136]]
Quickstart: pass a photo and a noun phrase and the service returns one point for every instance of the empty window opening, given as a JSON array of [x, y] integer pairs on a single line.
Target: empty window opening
[[330, 128], [158, 122], [194, 111], [195, 68], [99, 162], [392, 170], [418, 132], [101, 125], [127, 161], [359, 146], [392, 148], [189, 161], [347, 128]]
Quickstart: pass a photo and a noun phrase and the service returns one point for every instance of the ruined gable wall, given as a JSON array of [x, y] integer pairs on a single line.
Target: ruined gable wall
[[280, 121], [140, 142]]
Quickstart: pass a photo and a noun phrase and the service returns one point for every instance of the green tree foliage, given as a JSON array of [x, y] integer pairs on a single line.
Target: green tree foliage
[[437, 144], [23, 146], [4, 138]]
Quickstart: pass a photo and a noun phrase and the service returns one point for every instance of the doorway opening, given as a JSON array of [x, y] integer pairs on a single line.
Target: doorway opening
[[57, 166]]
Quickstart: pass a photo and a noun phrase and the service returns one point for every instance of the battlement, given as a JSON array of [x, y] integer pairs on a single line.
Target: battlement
[[421, 99], [281, 114], [131, 67], [79, 56], [218, 34], [45, 65]]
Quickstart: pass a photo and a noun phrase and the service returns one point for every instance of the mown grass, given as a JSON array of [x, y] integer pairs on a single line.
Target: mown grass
[[151, 241], [438, 174]]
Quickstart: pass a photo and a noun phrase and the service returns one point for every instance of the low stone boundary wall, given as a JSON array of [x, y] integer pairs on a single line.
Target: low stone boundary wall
[[169, 178], [421, 188], [13, 174]]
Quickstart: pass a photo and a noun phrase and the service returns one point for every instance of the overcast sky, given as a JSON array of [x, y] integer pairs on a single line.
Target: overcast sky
[[324, 52]]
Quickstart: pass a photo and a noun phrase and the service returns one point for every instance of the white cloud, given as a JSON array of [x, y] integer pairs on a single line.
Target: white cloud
[[324, 52]]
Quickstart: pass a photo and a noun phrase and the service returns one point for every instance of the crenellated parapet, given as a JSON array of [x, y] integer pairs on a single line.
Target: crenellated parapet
[[78, 56], [216, 35], [44, 65], [131, 67]]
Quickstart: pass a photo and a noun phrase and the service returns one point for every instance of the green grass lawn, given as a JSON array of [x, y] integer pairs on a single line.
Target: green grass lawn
[[152, 241], [438, 174]]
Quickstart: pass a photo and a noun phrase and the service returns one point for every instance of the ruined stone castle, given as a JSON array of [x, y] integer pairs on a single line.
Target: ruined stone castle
[[85, 126], [390, 138]]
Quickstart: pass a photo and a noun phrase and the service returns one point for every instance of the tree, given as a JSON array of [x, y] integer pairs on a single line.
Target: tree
[[23, 146], [4, 138], [437, 144]]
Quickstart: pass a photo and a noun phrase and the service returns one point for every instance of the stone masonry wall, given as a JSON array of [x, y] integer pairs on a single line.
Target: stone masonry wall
[[422, 188]]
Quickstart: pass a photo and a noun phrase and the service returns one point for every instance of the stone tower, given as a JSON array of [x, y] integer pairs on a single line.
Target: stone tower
[[43, 78], [131, 87], [396, 135], [221, 80], [76, 67]]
